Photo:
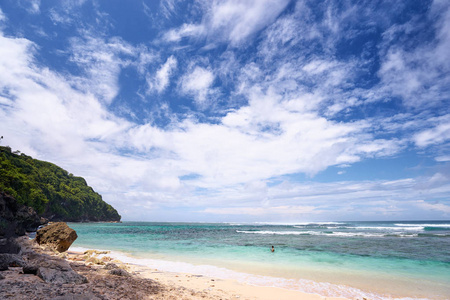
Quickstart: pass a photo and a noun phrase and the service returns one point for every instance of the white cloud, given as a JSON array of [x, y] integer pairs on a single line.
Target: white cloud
[[66, 12], [15, 54], [420, 76], [186, 30], [277, 140], [318, 66], [161, 79], [443, 158], [198, 84], [440, 207], [339, 200], [238, 20], [59, 18], [436, 135], [230, 21], [167, 7], [35, 7], [2, 16], [296, 211], [101, 60], [145, 58]]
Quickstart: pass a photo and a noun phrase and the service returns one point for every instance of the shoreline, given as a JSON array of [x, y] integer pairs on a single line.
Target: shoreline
[[215, 287], [297, 288], [300, 288], [107, 278], [135, 279]]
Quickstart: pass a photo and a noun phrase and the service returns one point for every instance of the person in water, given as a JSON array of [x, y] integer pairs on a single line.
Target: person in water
[[273, 249]]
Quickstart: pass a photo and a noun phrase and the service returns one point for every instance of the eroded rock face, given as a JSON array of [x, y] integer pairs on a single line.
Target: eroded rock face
[[58, 236], [15, 220]]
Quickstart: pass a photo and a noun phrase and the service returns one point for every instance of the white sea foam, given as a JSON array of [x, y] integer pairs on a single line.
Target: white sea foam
[[412, 228], [277, 232], [319, 223], [336, 233], [424, 225], [406, 228], [302, 285]]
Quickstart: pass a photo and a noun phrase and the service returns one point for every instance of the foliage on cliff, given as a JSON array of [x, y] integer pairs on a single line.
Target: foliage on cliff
[[51, 191]]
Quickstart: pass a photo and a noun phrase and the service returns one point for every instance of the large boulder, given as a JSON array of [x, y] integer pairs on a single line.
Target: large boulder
[[58, 236]]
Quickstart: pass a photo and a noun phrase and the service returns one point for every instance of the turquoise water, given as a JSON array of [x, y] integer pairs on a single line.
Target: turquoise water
[[352, 259]]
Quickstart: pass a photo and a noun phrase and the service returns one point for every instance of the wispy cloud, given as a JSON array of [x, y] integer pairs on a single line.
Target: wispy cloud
[[263, 211], [337, 200], [419, 75], [35, 6], [186, 30], [160, 81], [100, 61], [198, 83], [440, 207], [167, 7], [437, 135], [66, 12], [230, 21]]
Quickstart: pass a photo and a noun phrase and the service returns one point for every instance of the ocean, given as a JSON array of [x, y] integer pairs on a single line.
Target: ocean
[[373, 260]]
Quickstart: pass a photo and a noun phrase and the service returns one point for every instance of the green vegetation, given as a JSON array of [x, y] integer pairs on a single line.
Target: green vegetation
[[50, 190]]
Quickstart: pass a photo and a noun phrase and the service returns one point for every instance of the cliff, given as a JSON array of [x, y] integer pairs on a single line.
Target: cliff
[[51, 191]]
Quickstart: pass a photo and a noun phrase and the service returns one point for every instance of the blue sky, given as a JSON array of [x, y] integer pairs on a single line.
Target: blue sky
[[238, 111]]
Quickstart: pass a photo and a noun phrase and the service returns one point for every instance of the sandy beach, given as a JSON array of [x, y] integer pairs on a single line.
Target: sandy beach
[[130, 281], [213, 288]]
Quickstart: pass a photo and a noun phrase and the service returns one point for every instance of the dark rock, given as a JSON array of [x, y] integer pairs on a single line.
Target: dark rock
[[60, 276], [2, 277], [15, 220], [28, 220], [57, 235], [51, 269], [119, 272], [9, 245], [46, 261], [30, 269], [10, 260], [110, 266]]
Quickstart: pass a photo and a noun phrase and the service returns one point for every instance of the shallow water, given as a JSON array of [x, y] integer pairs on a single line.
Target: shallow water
[[383, 259]]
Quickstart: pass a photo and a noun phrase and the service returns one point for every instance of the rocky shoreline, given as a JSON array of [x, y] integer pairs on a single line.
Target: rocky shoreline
[[41, 273]]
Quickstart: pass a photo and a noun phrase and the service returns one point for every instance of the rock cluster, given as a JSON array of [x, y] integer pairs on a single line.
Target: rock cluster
[[39, 273], [16, 220], [58, 236], [49, 268]]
